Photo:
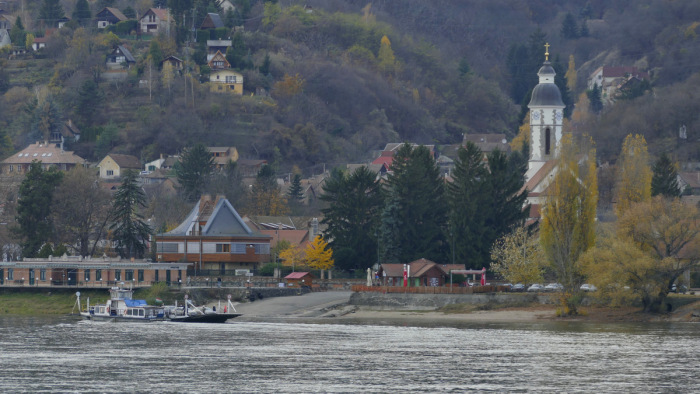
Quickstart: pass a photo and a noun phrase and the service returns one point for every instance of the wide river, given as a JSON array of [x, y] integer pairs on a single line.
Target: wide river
[[61, 354]]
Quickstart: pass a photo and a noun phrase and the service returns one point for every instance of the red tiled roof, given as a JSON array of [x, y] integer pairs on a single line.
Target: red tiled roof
[[126, 161], [297, 275], [295, 237]]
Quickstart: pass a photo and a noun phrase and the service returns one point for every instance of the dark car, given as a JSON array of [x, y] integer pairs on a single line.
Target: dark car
[[518, 287]]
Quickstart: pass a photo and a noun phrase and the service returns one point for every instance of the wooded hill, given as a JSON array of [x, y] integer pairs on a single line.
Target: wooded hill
[[323, 86]]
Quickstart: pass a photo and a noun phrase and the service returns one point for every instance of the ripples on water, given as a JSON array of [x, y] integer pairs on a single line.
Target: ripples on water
[[63, 355]]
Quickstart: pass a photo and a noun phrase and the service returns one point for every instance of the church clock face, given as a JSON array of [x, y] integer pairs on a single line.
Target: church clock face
[[558, 116], [536, 115]]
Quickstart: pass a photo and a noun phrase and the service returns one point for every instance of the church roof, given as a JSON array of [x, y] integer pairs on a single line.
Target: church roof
[[546, 95]]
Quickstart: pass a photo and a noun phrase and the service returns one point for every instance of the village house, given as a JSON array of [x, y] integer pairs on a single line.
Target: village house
[[114, 165], [109, 16], [48, 154], [212, 21], [163, 162], [249, 168], [155, 21], [421, 272], [5, 38], [176, 63], [610, 79], [89, 272], [5, 23], [215, 238], [386, 156], [214, 46], [222, 155], [120, 58], [68, 133]]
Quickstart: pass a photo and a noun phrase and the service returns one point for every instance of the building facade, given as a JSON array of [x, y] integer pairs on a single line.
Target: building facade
[[216, 240]]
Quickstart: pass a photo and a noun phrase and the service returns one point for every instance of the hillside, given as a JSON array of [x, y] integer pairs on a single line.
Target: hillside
[[322, 87]]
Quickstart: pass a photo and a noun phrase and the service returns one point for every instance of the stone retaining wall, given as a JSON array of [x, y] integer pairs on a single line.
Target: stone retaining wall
[[398, 301]]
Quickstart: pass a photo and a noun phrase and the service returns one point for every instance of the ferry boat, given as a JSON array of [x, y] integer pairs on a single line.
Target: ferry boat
[[121, 307], [189, 313]]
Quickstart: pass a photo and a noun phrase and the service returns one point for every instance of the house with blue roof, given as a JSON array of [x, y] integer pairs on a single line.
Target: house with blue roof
[[216, 240]]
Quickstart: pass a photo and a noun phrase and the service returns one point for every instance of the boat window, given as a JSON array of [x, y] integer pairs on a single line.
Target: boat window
[[142, 312]]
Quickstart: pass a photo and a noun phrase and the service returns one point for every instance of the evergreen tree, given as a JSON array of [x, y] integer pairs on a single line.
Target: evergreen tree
[[50, 12], [465, 197], [295, 192], [265, 194], [665, 178], [464, 68], [569, 29], [129, 12], [130, 232], [17, 33], [595, 99], [194, 171], [81, 13], [265, 66], [236, 53], [354, 202], [414, 221], [35, 226], [583, 32], [89, 101], [47, 120]]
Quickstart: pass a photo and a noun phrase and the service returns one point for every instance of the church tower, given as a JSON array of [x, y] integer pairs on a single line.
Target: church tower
[[546, 118]]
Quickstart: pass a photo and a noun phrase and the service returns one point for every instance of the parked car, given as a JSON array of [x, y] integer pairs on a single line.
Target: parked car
[[588, 287], [554, 287], [535, 287], [679, 289], [518, 287]]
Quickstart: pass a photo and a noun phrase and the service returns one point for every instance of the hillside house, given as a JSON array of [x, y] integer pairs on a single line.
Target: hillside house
[[114, 165], [5, 38], [386, 157], [226, 81], [226, 6], [163, 162], [109, 16], [155, 21], [120, 58], [609, 80], [212, 21], [249, 168], [214, 46], [222, 155], [68, 133], [215, 238], [176, 63], [5, 22], [47, 153]]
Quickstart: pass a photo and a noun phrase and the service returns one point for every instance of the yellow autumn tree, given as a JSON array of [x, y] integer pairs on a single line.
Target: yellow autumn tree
[[293, 256], [319, 255], [571, 74], [523, 135], [634, 174], [568, 215], [289, 86], [517, 257], [386, 58]]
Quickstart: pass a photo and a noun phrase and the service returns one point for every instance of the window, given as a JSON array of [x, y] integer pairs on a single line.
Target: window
[[128, 274], [42, 274], [110, 172], [262, 248], [223, 248], [151, 168], [547, 140], [12, 167], [238, 248], [117, 274], [10, 273], [157, 276], [87, 275], [167, 247], [140, 273], [230, 79], [98, 275]]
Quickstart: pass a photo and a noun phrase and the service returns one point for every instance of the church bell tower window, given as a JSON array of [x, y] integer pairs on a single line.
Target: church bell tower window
[[547, 140]]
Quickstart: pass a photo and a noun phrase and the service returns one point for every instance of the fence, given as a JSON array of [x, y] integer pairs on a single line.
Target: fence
[[429, 289]]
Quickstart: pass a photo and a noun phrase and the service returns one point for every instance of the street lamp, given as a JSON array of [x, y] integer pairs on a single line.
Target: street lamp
[[51, 281]]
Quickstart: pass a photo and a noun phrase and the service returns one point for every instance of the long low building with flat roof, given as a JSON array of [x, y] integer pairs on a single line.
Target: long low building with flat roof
[[89, 272]]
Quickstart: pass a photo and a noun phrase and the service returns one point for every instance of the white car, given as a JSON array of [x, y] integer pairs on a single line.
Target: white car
[[554, 287], [535, 287], [588, 287]]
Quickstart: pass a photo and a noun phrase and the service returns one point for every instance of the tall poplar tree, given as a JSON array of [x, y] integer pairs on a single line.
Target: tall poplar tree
[[130, 231], [665, 179], [634, 174], [568, 215], [415, 219], [81, 13]]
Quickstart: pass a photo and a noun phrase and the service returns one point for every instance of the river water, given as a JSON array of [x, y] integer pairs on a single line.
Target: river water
[[60, 354]]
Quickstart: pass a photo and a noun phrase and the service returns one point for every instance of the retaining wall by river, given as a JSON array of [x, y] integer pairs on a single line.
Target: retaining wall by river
[[400, 301]]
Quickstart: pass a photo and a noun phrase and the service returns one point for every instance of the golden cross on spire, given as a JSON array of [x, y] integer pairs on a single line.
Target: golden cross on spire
[[546, 52]]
